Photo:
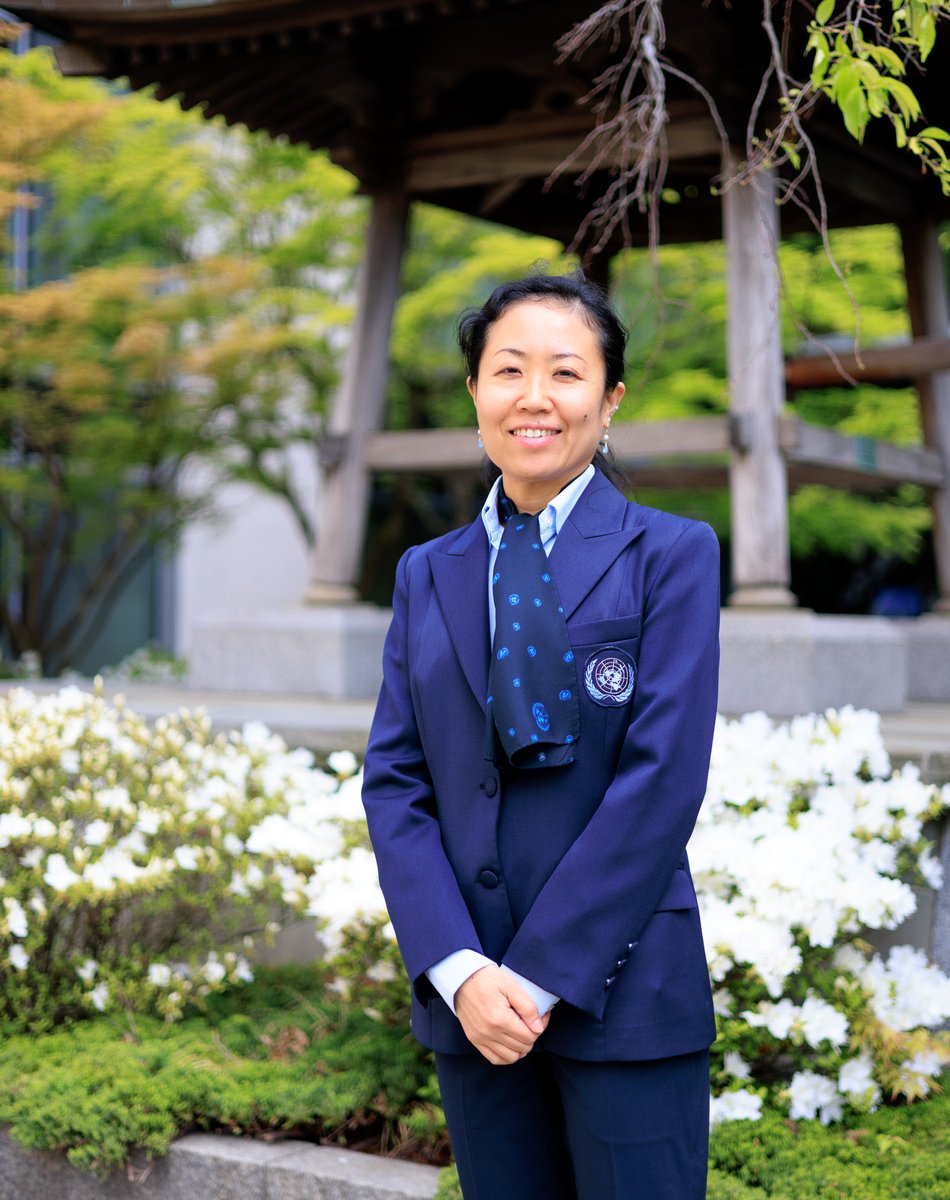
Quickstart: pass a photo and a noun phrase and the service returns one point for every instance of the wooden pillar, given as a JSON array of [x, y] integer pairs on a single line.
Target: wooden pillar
[[359, 403], [929, 309], [758, 481]]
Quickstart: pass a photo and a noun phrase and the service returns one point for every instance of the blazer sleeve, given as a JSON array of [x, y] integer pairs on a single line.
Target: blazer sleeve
[[590, 913], [427, 909]]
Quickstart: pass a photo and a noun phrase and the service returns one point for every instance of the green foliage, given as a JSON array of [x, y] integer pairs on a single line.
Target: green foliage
[[902, 1153], [206, 276], [860, 64], [283, 1053], [678, 369]]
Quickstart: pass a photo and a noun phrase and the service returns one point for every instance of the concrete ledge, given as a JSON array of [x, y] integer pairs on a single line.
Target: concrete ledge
[[218, 1167], [793, 662], [327, 650]]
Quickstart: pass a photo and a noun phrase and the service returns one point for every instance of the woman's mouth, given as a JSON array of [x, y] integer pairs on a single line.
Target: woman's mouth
[[534, 433]]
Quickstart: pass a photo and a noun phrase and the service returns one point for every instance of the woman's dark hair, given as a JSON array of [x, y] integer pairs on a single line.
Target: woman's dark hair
[[578, 292], [574, 290]]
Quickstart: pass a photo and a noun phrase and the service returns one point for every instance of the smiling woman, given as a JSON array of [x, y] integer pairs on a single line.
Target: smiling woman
[[536, 763], [541, 398]]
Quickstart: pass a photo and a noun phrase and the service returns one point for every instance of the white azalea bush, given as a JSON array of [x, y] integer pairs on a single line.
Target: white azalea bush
[[806, 839], [138, 863]]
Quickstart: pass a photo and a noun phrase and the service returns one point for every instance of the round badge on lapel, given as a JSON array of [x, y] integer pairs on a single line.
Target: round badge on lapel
[[610, 675]]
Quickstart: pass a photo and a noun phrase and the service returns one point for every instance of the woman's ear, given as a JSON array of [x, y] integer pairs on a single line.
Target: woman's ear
[[612, 401], [470, 383]]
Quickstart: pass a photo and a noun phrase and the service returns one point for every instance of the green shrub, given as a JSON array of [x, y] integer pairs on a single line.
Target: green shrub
[[138, 863], [282, 1053]]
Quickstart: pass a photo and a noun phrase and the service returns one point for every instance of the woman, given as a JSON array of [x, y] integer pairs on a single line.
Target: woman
[[535, 766]]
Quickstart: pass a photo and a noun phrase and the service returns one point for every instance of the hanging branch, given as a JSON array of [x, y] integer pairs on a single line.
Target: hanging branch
[[856, 57], [629, 101]]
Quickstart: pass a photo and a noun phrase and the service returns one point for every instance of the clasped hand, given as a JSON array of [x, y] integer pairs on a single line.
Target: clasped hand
[[498, 1016]]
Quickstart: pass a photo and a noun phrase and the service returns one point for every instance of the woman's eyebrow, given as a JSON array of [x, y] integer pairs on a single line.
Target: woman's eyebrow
[[522, 353]]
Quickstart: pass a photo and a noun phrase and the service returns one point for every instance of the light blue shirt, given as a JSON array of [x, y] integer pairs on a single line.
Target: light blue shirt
[[448, 975]]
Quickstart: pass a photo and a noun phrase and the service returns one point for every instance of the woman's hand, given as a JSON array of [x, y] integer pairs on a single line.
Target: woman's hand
[[498, 1016]]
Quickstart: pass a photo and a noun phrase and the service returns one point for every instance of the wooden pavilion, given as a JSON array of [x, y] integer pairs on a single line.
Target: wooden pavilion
[[464, 103]]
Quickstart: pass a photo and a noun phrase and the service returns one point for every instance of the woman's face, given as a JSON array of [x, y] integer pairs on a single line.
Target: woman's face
[[541, 398]]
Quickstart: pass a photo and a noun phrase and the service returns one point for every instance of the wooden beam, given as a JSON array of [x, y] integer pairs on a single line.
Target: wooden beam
[[528, 149], [444, 450], [842, 460], [894, 365]]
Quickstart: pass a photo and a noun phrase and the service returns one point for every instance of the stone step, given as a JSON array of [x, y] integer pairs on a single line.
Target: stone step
[[219, 1167]]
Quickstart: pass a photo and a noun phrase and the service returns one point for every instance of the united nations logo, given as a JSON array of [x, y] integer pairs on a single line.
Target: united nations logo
[[610, 676]]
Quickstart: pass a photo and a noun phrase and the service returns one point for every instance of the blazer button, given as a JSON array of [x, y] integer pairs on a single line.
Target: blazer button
[[610, 980], [620, 962], [491, 786], [488, 879]]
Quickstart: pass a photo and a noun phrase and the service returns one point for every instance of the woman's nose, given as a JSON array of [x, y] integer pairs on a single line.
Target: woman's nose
[[534, 395]]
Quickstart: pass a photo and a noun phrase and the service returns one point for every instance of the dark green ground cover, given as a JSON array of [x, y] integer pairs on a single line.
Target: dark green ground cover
[[282, 1055], [287, 1056]]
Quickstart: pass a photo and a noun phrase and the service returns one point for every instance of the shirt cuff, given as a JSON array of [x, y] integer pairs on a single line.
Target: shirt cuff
[[543, 999], [449, 973]]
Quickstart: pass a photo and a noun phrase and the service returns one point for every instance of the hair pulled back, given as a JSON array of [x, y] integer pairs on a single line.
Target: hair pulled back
[[574, 290]]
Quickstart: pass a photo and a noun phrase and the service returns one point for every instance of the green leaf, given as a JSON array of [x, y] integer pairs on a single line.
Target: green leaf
[[823, 12], [932, 131], [907, 102]]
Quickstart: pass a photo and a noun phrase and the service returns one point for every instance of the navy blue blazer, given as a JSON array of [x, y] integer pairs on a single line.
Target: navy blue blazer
[[576, 877]]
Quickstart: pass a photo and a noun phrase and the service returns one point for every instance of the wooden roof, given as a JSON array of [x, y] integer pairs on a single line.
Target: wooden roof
[[465, 98]]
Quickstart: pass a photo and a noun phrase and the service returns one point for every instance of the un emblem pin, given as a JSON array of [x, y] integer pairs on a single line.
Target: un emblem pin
[[609, 676]]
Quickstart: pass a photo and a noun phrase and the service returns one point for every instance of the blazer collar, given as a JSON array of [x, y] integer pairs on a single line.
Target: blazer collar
[[597, 530], [589, 541]]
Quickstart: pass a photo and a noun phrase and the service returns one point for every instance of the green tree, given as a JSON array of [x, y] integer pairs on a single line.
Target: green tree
[[205, 282]]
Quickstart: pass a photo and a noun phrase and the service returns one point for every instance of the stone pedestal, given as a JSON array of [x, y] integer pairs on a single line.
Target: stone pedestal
[[928, 658], [331, 651], [797, 662]]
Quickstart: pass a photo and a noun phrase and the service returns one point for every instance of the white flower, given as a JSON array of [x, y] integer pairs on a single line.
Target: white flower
[[13, 826], [855, 1079], [159, 974], [343, 763], [99, 996], [16, 917], [735, 1106], [59, 875], [213, 970], [242, 970], [186, 857], [812, 1096], [96, 832], [19, 959], [822, 1022], [87, 971], [932, 869], [736, 1065]]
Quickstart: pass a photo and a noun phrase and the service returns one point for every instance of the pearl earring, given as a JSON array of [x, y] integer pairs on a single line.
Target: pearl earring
[[480, 443], [604, 439]]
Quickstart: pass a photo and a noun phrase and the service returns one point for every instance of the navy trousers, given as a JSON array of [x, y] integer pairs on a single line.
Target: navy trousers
[[555, 1128]]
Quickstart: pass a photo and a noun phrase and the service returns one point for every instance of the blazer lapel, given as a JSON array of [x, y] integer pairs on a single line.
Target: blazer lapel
[[589, 542], [460, 575]]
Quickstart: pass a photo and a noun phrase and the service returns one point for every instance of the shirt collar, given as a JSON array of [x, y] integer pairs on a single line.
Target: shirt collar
[[551, 519]]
